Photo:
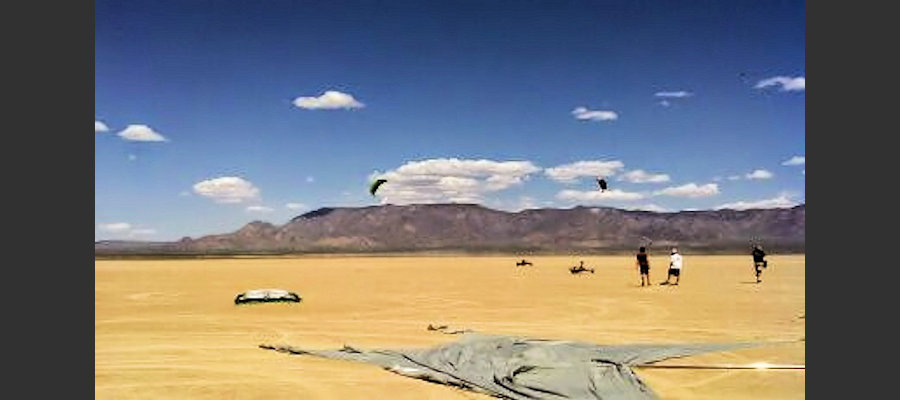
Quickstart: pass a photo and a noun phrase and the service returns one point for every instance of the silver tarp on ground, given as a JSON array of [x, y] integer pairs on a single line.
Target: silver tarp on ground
[[517, 368]]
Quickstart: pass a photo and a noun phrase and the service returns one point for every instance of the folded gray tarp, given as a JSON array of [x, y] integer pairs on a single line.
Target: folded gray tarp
[[517, 368]]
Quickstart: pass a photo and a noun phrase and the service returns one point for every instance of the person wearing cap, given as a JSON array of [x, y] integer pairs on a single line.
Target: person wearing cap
[[674, 267]]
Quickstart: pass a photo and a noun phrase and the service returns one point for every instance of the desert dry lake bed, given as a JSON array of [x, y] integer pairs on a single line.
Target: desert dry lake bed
[[170, 329]]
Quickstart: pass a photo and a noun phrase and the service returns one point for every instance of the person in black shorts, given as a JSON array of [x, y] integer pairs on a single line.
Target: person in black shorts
[[759, 261], [643, 264]]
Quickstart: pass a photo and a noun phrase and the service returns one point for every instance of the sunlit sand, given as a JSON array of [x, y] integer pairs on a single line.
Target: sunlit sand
[[170, 328]]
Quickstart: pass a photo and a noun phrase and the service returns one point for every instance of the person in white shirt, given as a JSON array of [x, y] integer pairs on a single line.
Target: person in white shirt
[[674, 267]]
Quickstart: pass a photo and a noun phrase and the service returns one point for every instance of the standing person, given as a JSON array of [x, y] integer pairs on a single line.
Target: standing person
[[674, 267], [759, 261], [643, 263]]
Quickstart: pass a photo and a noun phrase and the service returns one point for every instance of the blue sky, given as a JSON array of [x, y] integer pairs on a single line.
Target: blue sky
[[212, 114]]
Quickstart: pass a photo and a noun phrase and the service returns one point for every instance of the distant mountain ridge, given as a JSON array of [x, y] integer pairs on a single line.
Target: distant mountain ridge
[[474, 228]]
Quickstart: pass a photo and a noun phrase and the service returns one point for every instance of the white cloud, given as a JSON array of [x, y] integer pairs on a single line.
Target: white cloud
[[296, 206], [597, 195], [782, 201], [330, 100], [795, 160], [132, 157], [124, 229], [648, 207], [755, 174], [690, 190], [227, 189], [526, 203], [569, 172], [787, 83], [141, 133], [100, 127], [582, 113], [450, 180], [679, 94], [641, 176], [759, 174], [260, 209], [115, 227], [310, 179], [467, 168], [665, 103], [514, 205]]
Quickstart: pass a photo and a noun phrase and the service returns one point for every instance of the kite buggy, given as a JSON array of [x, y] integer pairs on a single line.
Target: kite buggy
[[580, 268]]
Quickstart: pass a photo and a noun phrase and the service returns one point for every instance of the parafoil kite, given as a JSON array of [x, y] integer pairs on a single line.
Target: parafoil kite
[[376, 185]]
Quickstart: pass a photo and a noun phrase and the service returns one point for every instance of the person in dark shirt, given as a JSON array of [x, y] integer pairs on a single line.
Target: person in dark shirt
[[759, 261], [643, 264]]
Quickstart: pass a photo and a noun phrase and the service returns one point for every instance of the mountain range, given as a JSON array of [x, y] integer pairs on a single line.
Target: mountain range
[[474, 228]]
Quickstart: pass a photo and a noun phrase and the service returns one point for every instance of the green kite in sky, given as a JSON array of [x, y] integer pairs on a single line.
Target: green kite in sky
[[376, 185]]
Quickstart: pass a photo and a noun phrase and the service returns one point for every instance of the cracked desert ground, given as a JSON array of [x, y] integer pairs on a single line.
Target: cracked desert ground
[[169, 329]]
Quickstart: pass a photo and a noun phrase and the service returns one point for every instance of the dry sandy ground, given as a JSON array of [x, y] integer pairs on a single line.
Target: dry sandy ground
[[169, 328]]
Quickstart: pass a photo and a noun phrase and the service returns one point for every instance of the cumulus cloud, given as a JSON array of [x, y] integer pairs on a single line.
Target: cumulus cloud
[[227, 189], [295, 206], [526, 203], [795, 160], [641, 176], [259, 209], [679, 94], [781, 201], [114, 227], [450, 180], [690, 190], [468, 168], [787, 83], [759, 174], [598, 196], [124, 229], [648, 207], [568, 173], [141, 133], [513, 205], [582, 113], [330, 100], [100, 127]]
